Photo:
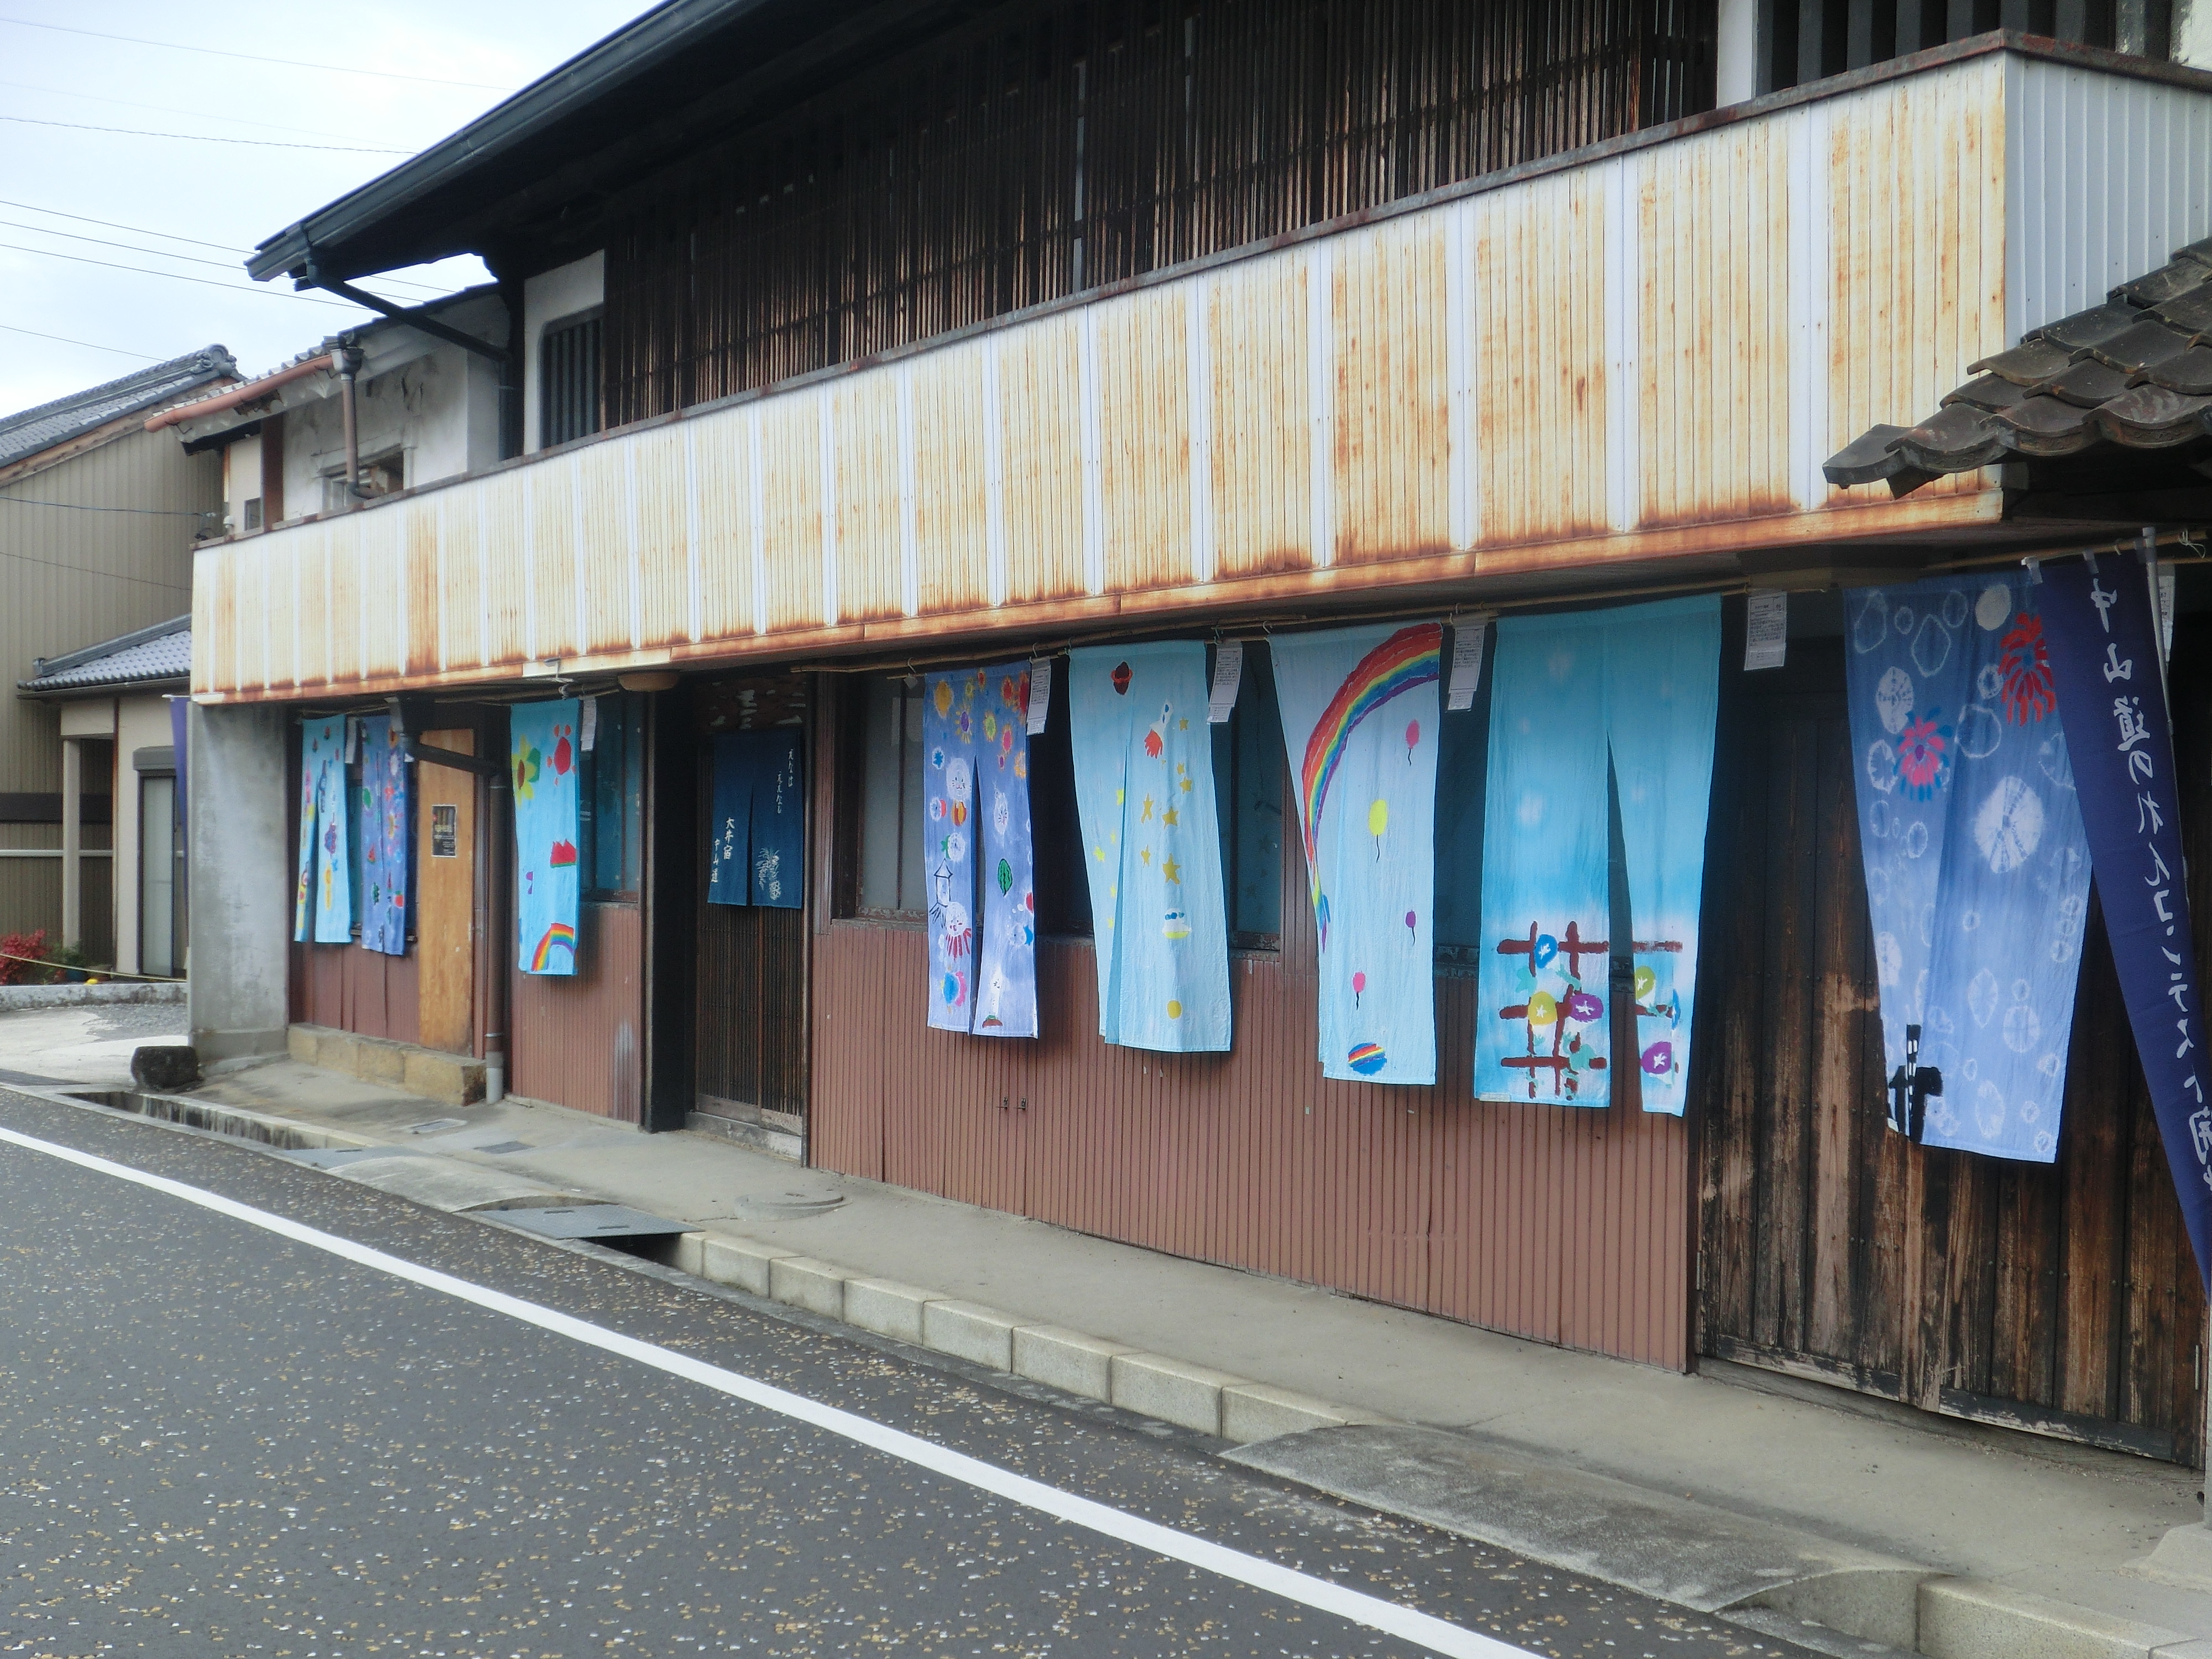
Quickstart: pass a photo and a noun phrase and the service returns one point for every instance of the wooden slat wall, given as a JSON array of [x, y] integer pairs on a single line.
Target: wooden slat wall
[[1568, 1226], [1053, 146], [2063, 1295]]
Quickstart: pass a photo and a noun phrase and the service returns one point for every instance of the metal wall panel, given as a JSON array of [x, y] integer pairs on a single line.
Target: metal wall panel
[[1636, 356], [579, 1041], [1144, 402], [1565, 1227], [1263, 464], [871, 518], [1390, 445]]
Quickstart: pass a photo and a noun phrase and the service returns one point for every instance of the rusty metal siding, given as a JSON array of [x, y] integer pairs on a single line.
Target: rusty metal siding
[[952, 509], [579, 1041], [1145, 459], [871, 519], [1630, 357], [1262, 463], [1715, 420], [1040, 409], [1565, 1226], [1391, 439]]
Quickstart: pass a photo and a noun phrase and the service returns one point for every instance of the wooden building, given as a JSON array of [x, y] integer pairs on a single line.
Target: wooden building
[[970, 333]]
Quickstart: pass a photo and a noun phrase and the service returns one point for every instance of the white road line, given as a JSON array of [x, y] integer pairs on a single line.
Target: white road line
[[1437, 1635]]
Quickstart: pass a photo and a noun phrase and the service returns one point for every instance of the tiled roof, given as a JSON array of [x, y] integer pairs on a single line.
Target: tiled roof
[[56, 423], [163, 652], [2134, 372]]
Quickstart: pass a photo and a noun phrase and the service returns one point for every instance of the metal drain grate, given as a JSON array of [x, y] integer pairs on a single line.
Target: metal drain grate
[[604, 1223], [499, 1147]]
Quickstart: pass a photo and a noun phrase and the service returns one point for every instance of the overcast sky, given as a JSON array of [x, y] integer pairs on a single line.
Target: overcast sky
[[156, 192]]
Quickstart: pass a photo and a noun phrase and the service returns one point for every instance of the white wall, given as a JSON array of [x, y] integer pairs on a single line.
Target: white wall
[[2192, 33], [241, 479], [1736, 53], [549, 297], [437, 403]]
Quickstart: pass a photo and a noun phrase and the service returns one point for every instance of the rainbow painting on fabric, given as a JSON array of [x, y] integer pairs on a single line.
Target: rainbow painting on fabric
[[1410, 657], [559, 937], [1371, 860]]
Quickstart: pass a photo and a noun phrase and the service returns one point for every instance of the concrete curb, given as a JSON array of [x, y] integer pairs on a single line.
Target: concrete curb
[[83, 996], [1210, 1402]]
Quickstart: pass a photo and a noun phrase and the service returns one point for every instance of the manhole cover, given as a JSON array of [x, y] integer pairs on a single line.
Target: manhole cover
[[437, 1125], [501, 1146]]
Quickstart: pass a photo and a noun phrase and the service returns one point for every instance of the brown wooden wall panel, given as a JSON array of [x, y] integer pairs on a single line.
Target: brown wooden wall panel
[[579, 1041], [2062, 1296], [1567, 1226], [364, 992]]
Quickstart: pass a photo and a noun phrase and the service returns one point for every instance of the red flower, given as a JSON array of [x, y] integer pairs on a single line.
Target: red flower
[[2028, 693], [1923, 756]]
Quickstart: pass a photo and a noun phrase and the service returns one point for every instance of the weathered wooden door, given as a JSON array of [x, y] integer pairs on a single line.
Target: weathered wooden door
[[446, 896], [751, 1053], [2059, 1298]]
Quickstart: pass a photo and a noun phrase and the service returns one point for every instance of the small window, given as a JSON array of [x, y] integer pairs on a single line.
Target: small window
[[610, 801], [889, 734], [1249, 799], [569, 381], [252, 512]]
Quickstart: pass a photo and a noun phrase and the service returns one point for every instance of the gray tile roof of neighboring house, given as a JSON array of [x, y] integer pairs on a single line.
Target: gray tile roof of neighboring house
[[2132, 374], [34, 429], [163, 652]]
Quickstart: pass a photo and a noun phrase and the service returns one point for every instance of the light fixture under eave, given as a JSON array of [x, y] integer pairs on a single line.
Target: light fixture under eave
[[659, 680]]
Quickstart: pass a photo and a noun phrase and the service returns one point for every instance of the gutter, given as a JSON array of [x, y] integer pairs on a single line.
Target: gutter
[[239, 394]]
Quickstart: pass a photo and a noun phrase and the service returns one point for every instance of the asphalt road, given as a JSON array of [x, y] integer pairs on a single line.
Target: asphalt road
[[218, 1439]]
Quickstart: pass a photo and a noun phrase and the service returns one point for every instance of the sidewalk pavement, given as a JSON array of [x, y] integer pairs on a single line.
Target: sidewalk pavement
[[1699, 1488]]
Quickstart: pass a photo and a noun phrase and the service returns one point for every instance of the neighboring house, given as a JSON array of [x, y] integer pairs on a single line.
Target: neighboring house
[[118, 695], [858, 344], [424, 409], [97, 521]]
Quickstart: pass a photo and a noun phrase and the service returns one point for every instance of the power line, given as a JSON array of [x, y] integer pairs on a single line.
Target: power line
[[166, 235], [128, 247], [106, 575], [248, 58], [172, 109], [84, 507], [175, 276], [199, 137], [147, 356]]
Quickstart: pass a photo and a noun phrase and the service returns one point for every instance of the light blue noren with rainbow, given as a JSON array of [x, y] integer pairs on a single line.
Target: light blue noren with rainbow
[[544, 751], [1360, 727]]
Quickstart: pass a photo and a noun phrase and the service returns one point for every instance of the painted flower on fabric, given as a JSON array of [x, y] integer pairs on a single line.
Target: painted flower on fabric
[[2028, 694], [1923, 756]]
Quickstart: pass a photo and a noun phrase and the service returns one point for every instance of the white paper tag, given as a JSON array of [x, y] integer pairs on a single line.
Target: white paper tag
[[1468, 639], [1040, 693], [591, 733], [353, 731], [2166, 610], [1228, 675], [1767, 630]]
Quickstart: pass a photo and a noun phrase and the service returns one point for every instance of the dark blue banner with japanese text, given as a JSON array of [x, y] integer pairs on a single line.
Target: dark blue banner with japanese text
[[2102, 629]]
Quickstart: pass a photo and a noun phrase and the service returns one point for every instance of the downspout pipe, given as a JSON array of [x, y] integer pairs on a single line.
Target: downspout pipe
[[499, 800], [350, 359]]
